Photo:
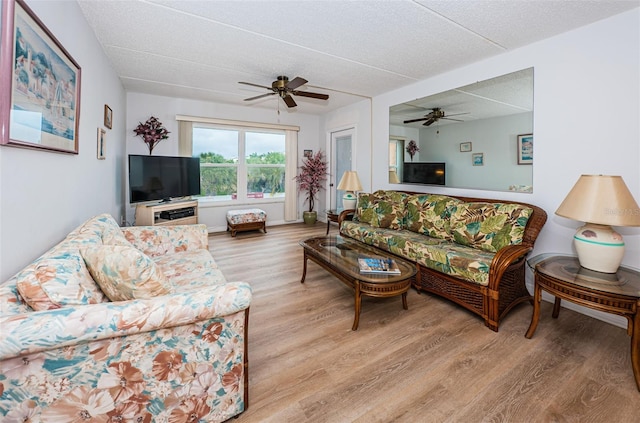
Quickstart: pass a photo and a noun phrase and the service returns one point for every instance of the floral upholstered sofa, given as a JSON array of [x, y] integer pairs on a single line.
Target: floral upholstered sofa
[[131, 324], [468, 250]]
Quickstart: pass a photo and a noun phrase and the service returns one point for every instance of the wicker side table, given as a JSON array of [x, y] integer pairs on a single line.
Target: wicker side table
[[617, 293]]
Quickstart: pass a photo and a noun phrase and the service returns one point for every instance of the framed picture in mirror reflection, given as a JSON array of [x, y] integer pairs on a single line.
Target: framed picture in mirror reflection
[[477, 159], [525, 149]]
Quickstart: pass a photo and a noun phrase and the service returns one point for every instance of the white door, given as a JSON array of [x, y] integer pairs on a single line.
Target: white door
[[341, 161]]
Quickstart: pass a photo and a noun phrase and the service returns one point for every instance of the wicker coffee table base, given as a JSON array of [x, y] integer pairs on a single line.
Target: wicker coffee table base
[[361, 288]]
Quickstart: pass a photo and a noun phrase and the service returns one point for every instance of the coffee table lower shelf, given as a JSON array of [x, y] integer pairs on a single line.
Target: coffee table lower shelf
[[346, 270]]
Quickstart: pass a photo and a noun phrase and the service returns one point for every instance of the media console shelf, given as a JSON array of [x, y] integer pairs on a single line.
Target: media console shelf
[[152, 214]]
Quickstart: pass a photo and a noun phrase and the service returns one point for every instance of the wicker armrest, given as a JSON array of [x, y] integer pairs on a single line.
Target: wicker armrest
[[346, 215], [502, 260]]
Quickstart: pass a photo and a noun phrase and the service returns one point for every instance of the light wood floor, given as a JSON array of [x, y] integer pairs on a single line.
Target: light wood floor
[[435, 362]]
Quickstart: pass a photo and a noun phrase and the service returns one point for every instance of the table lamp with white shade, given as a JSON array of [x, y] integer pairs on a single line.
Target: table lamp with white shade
[[349, 183], [601, 201]]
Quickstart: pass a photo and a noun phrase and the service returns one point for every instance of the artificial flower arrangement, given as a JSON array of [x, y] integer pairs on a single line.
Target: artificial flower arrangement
[[412, 148], [313, 174], [152, 132]]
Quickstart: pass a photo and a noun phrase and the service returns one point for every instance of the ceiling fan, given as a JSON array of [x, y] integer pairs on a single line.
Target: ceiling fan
[[285, 89], [435, 115]]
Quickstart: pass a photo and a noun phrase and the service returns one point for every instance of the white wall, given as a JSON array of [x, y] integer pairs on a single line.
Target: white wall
[[587, 103], [357, 116], [141, 106], [496, 138], [44, 195]]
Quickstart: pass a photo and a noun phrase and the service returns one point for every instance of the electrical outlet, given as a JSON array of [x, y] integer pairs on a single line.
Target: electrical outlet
[[123, 221]]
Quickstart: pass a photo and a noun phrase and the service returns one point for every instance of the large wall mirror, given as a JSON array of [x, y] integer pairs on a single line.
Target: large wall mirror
[[482, 133]]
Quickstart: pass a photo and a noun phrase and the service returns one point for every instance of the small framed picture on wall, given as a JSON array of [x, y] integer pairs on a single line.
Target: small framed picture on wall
[[478, 159], [465, 146], [102, 134], [108, 116], [308, 153]]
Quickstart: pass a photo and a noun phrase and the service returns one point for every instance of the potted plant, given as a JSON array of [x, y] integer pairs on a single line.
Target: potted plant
[[311, 179], [152, 132]]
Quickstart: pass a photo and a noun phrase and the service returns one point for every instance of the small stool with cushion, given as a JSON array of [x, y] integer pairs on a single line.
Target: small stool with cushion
[[246, 220]]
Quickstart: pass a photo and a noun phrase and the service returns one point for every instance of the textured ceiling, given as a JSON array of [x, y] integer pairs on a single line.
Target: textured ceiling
[[346, 49], [500, 96]]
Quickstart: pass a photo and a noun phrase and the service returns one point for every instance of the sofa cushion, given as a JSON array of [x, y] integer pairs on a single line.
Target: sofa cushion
[[366, 233], [453, 259], [11, 302], [57, 282], [106, 228], [125, 273], [430, 214], [489, 226], [190, 270], [156, 241], [442, 255], [381, 209]]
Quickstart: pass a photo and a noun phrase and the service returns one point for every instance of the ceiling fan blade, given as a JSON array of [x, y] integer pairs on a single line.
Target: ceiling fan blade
[[429, 122], [296, 82], [417, 107], [311, 95], [255, 85], [457, 120], [458, 114], [289, 101], [258, 96], [415, 120]]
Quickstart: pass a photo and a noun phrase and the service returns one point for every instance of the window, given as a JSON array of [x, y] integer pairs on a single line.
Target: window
[[239, 164]]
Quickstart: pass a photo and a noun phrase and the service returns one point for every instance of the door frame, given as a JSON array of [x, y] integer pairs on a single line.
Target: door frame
[[334, 179]]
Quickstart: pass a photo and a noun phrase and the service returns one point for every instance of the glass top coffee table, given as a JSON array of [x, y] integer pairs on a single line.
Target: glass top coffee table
[[339, 256]]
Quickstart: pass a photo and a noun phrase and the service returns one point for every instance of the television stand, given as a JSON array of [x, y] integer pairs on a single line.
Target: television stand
[[167, 214]]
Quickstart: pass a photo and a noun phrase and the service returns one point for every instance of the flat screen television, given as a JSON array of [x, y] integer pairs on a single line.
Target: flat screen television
[[154, 178], [424, 173]]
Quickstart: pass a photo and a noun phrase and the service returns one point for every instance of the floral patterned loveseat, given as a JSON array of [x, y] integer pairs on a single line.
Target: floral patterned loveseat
[[131, 324], [469, 250]]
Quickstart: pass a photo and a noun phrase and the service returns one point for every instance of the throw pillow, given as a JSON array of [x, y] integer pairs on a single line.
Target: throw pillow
[[430, 214], [52, 283], [382, 209], [489, 226], [125, 273]]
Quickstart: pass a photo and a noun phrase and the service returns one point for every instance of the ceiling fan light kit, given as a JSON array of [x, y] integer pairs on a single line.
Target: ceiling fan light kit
[[285, 89]]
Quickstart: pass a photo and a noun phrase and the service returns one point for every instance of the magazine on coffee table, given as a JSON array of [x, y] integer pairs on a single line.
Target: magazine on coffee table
[[378, 265]]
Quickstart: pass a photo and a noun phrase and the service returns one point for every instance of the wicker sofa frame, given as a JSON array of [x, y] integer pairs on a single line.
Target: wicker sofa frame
[[506, 288]]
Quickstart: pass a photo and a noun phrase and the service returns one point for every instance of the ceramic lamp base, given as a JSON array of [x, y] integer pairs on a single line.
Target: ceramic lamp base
[[599, 248], [349, 200]]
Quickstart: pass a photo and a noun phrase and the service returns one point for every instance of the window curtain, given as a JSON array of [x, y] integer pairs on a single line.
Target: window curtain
[[185, 138], [291, 170]]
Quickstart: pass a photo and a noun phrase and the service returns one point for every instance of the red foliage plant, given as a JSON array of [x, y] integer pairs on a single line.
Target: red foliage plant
[[313, 174], [412, 148], [152, 132]]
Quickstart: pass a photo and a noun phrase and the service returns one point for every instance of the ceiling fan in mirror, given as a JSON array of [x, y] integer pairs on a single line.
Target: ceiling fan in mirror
[[286, 89], [435, 115]]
